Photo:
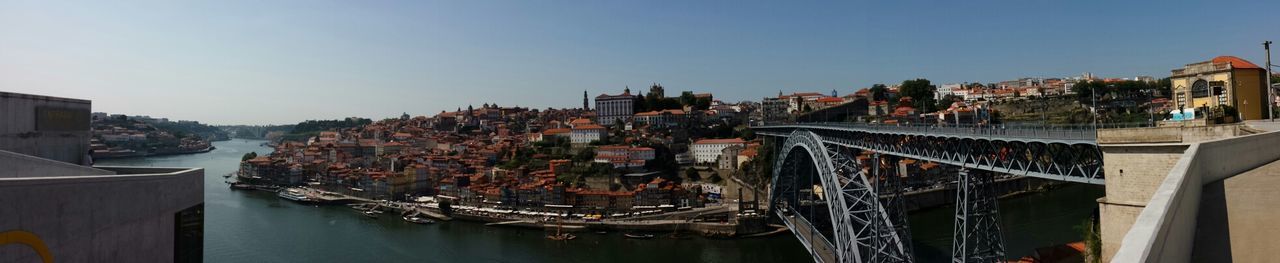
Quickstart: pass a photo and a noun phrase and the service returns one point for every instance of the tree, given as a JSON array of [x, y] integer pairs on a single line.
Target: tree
[[879, 92], [946, 101], [921, 93], [585, 155], [692, 174], [641, 104], [248, 156]]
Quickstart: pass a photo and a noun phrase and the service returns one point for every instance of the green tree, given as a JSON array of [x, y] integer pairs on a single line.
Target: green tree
[[879, 92], [946, 101], [921, 93], [585, 155], [248, 156], [692, 174]]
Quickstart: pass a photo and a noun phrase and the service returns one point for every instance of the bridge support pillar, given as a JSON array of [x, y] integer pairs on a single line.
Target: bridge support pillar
[[891, 195], [977, 236]]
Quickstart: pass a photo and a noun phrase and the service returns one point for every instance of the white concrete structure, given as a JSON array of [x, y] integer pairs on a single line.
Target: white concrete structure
[[74, 213], [47, 127], [1165, 230], [55, 209], [708, 150]]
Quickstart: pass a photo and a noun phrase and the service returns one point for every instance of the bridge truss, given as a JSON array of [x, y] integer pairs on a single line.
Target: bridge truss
[[866, 221]]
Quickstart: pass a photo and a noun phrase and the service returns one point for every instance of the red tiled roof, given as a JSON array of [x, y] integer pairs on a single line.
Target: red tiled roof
[[711, 141], [831, 99], [1235, 62], [555, 131], [588, 127]]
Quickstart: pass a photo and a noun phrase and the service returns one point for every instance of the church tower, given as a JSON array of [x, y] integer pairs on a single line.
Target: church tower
[[584, 101]]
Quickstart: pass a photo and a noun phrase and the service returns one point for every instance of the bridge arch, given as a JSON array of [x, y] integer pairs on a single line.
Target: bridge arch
[[821, 193]]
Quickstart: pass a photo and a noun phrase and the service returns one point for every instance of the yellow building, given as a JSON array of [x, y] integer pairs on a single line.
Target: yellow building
[[1224, 80]]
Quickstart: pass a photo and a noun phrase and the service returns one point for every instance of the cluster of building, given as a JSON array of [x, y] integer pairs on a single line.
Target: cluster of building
[[495, 155], [124, 136]]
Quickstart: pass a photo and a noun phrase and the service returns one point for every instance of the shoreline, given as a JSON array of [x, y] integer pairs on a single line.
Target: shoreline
[[673, 221], [205, 150]]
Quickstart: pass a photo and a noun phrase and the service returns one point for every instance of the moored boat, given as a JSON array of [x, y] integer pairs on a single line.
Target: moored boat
[[637, 236], [418, 220], [294, 194]]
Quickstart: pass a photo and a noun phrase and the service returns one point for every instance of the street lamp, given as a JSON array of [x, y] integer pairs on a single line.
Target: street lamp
[[1270, 98]]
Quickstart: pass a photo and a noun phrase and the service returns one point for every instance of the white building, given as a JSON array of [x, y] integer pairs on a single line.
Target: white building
[[614, 108], [708, 150], [587, 133], [946, 89]]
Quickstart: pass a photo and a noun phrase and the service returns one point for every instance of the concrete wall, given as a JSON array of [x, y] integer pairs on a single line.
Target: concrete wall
[[19, 165], [18, 130], [1137, 163], [1168, 134], [110, 218], [1165, 229]]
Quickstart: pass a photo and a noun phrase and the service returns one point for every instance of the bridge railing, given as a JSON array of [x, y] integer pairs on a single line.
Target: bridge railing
[[1057, 132], [1165, 230]]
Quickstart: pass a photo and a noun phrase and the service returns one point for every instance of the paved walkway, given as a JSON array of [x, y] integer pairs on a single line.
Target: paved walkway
[[1265, 125], [1237, 218]]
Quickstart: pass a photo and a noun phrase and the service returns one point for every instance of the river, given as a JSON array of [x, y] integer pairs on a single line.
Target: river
[[255, 226]]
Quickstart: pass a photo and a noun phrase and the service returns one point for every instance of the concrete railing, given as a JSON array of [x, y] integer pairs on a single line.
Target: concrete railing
[[1165, 230], [16, 165]]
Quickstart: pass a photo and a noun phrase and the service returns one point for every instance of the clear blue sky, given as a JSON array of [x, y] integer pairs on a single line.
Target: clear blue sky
[[258, 62]]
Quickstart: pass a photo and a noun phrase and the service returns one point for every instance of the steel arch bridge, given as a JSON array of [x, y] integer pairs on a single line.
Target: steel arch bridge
[[840, 213]]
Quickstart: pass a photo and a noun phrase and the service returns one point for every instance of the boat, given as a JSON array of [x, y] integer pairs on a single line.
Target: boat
[[559, 236], [228, 175], [638, 236], [370, 214], [294, 194], [241, 186], [418, 220]]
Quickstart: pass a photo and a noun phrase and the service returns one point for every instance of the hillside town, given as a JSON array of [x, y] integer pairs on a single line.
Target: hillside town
[[632, 151], [120, 136]]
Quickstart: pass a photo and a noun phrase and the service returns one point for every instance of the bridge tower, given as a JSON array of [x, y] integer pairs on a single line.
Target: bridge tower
[[977, 235]]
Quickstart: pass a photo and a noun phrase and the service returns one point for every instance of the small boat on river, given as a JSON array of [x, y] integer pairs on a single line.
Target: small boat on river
[[638, 236]]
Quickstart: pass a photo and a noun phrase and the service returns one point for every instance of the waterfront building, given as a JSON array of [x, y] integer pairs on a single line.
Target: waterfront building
[[708, 150], [1221, 81], [55, 206], [615, 108]]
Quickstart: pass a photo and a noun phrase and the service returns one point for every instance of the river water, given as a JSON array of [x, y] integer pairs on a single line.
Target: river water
[[256, 226]]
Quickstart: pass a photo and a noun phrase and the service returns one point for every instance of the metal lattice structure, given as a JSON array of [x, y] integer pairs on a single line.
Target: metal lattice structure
[[820, 188], [1065, 155], [891, 195], [867, 222], [976, 237]]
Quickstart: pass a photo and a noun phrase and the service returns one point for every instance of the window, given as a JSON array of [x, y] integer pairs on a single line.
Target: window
[[1200, 89], [188, 234]]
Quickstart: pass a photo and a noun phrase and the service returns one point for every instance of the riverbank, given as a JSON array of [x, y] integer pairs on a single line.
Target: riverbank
[[155, 154], [720, 220]]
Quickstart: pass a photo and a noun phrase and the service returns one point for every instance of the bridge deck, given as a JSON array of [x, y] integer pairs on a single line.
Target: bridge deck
[[1053, 134], [825, 252]]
